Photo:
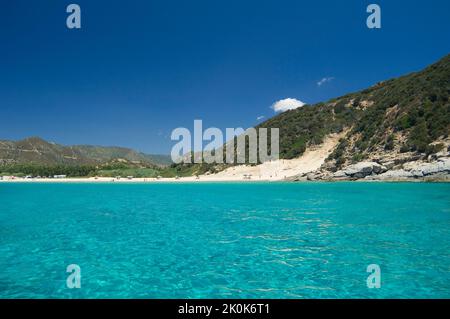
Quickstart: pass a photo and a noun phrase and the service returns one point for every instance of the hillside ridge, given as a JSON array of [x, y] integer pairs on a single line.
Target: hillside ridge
[[35, 150], [401, 120]]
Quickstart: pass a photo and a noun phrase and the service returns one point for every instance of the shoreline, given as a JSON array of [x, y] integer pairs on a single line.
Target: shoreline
[[108, 180], [311, 166]]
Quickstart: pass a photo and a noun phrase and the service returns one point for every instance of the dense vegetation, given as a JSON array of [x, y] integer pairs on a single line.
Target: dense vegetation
[[46, 170], [416, 106], [107, 170]]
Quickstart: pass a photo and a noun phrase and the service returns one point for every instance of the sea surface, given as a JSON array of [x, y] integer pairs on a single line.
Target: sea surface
[[225, 240]]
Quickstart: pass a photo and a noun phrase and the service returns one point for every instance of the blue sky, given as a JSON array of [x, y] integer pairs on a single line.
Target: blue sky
[[138, 69]]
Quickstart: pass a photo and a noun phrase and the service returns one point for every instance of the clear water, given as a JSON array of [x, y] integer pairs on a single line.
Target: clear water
[[239, 240]]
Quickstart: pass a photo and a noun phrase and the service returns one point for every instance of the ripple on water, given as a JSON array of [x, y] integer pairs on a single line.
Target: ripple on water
[[225, 240]]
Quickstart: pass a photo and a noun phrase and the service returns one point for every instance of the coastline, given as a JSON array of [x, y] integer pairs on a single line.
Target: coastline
[[206, 179], [311, 166]]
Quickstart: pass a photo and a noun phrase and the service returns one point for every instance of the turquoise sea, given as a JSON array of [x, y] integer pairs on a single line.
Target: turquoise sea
[[225, 240]]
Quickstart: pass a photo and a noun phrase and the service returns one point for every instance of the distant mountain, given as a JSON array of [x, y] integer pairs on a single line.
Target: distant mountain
[[35, 150]]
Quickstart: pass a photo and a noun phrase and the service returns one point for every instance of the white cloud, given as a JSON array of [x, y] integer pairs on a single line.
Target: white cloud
[[325, 80], [260, 117], [287, 104]]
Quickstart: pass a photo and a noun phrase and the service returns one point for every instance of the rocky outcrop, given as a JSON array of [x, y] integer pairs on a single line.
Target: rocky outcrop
[[426, 169], [419, 170], [360, 170], [393, 175]]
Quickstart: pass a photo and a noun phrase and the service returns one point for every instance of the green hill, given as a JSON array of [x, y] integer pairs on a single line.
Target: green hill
[[409, 115], [406, 114]]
